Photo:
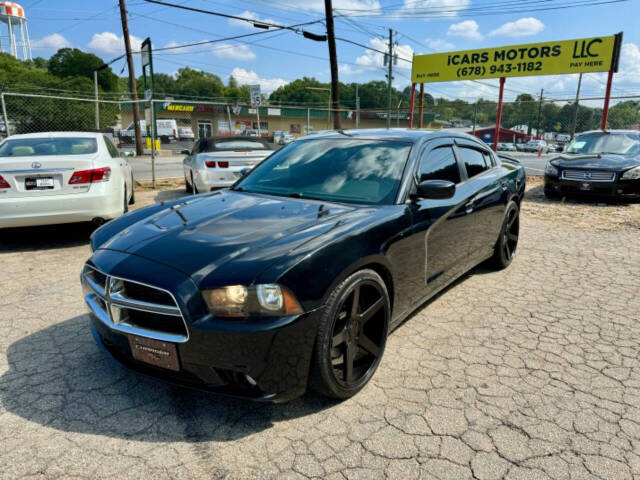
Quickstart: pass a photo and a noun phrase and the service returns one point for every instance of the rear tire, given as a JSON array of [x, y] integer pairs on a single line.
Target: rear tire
[[351, 336], [505, 249], [194, 186], [188, 186], [132, 200], [126, 201]]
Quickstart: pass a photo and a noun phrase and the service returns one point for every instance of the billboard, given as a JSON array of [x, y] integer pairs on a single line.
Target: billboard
[[596, 54]]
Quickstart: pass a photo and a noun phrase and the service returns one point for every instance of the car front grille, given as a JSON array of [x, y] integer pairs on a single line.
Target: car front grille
[[133, 308], [588, 176]]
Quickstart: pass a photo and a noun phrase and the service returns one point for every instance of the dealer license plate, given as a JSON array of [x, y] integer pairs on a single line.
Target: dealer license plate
[[37, 183], [154, 352]]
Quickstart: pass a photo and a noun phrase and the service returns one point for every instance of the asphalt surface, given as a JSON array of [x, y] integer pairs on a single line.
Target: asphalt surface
[[528, 373], [172, 166]]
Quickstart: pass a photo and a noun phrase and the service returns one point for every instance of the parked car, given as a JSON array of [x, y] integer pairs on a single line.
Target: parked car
[[536, 146], [166, 131], [218, 162], [602, 163], [185, 133], [62, 177], [507, 147], [295, 276], [285, 139]]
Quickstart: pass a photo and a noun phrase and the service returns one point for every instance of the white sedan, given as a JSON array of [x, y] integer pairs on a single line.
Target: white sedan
[[62, 177], [218, 162]]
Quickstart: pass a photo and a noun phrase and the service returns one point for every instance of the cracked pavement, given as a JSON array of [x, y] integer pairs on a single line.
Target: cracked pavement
[[528, 373]]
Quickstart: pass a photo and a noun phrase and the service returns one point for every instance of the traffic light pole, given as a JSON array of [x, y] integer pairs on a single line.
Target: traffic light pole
[[496, 134]]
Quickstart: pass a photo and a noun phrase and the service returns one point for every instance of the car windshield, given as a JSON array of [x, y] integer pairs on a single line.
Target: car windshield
[[240, 144], [340, 170], [619, 143], [30, 147]]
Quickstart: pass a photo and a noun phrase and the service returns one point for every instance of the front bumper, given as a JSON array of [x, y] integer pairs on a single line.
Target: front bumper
[[617, 189], [218, 355]]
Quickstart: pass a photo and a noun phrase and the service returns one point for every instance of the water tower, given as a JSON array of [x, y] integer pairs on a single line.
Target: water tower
[[17, 35]]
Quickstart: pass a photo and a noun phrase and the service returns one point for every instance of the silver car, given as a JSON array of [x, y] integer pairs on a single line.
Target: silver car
[[217, 162]]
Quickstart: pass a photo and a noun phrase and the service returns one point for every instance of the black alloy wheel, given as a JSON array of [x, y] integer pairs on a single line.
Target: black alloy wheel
[[352, 335], [505, 249]]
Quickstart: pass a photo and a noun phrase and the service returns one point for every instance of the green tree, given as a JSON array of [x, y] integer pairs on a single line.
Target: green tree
[[73, 62], [624, 115]]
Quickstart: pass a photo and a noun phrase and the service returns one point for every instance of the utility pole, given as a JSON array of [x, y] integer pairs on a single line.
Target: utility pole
[[132, 78], [389, 77], [333, 59], [95, 95], [357, 108], [475, 115], [539, 113], [575, 108]]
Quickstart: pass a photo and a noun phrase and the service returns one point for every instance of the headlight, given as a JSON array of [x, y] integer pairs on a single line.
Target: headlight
[[259, 300], [633, 174], [551, 170]]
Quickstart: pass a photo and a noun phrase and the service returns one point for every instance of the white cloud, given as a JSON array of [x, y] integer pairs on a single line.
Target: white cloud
[[109, 42], [248, 14], [629, 63], [439, 45], [374, 59], [249, 77], [54, 41], [346, 69], [436, 8], [520, 28], [466, 29], [236, 52]]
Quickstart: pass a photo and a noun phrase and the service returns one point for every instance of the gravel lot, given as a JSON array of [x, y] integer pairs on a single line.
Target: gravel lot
[[528, 373]]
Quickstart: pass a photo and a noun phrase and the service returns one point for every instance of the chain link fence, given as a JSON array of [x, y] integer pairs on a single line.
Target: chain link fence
[[180, 122]]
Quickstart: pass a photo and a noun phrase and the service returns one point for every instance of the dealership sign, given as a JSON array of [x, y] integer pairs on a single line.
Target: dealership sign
[[597, 54]]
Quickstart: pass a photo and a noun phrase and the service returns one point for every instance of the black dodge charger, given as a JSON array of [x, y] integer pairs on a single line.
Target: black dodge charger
[[296, 275], [598, 163]]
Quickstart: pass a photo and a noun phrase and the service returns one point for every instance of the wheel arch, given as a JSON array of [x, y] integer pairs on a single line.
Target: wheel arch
[[377, 263]]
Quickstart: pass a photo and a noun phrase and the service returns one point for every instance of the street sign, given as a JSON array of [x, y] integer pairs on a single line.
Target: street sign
[[596, 54], [256, 97], [145, 53]]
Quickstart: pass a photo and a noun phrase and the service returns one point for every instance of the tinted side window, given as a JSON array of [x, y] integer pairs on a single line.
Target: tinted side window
[[473, 161], [113, 151], [196, 147], [440, 164]]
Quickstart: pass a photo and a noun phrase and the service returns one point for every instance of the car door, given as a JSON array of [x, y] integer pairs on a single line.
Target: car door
[[442, 225], [488, 196], [125, 168]]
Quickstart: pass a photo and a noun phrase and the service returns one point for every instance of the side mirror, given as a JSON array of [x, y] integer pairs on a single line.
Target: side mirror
[[435, 189], [244, 171], [185, 152]]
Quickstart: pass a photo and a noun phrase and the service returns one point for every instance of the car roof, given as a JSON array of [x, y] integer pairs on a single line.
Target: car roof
[[620, 131], [57, 135], [393, 134]]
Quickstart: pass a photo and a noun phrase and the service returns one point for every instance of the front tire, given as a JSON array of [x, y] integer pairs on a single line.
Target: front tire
[[505, 249], [125, 208], [194, 187], [352, 335], [188, 186]]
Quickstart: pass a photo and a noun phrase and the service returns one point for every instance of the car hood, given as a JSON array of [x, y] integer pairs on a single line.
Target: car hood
[[611, 162], [204, 234]]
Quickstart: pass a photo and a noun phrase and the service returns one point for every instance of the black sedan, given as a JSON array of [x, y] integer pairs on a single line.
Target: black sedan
[[597, 163], [296, 275]]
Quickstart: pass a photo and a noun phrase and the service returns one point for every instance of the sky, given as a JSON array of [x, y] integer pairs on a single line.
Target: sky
[[274, 58]]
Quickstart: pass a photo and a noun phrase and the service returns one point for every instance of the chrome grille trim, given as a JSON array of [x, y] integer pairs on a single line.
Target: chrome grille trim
[[588, 176], [107, 305]]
